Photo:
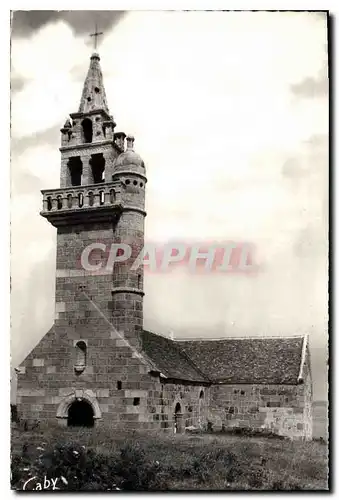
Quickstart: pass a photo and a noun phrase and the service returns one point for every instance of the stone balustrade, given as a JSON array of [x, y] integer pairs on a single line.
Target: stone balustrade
[[79, 197]]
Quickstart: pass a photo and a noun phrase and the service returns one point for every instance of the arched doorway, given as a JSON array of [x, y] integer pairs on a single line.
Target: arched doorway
[[80, 414], [178, 420]]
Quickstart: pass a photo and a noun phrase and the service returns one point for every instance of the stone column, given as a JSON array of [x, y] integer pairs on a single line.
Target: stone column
[[109, 159], [54, 203], [65, 177], [87, 177]]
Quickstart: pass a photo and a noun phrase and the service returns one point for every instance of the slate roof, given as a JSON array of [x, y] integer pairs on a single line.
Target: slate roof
[[248, 361], [167, 356], [230, 360]]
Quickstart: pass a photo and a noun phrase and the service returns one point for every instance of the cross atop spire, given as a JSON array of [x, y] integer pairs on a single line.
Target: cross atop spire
[[96, 34]]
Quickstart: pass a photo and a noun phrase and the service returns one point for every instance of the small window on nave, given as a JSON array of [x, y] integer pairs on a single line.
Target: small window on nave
[[81, 356]]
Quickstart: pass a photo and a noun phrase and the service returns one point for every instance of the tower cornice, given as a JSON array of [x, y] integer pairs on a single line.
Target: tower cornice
[[88, 145], [79, 114], [85, 215]]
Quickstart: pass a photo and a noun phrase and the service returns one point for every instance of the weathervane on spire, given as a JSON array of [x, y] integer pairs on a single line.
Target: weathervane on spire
[[96, 34]]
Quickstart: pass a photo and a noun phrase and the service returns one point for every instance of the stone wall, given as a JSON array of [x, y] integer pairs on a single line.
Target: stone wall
[[70, 273], [115, 379], [192, 398], [116, 382], [277, 408]]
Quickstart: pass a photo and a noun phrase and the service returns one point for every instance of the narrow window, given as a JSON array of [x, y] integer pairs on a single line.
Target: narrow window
[[49, 203], [139, 280], [102, 197], [81, 200], [69, 201], [201, 395], [90, 198], [112, 196], [119, 385], [136, 401], [81, 356], [87, 130], [59, 202]]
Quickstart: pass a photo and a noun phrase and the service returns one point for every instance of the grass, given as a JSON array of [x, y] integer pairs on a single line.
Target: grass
[[102, 459]]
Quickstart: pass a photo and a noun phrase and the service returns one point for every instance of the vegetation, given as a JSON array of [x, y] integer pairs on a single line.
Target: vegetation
[[104, 459]]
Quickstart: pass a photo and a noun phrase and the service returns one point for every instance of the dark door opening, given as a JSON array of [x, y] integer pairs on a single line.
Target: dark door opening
[[80, 414], [178, 420]]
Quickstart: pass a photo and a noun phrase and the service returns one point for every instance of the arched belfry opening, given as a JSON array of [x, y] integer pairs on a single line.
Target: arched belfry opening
[[97, 163], [80, 414], [75, 170], [87, 130]]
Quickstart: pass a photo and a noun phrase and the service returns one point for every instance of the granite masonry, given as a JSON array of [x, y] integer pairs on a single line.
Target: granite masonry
[[97, 365]]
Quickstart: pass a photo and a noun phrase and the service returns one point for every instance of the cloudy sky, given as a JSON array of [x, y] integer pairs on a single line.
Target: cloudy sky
[[230, 113]]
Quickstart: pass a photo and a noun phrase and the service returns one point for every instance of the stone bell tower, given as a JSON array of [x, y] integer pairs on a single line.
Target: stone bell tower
[[100, 202]]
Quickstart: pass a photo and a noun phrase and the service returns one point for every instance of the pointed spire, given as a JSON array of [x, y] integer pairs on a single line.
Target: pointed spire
[[93, 94]]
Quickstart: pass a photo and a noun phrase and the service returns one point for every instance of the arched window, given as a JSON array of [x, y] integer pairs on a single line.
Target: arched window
[[69, 201], [102, 197], [81, 355], [201, 395], [49, 203], [59, 202], [87, 130]]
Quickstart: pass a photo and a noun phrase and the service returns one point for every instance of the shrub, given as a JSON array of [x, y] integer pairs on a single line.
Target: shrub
[[247, 431], [99, 460]]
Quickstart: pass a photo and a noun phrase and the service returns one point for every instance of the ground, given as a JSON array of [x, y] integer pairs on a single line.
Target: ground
[[98, 459]]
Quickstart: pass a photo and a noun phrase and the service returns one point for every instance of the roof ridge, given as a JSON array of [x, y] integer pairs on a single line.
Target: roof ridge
[[261, 337]]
